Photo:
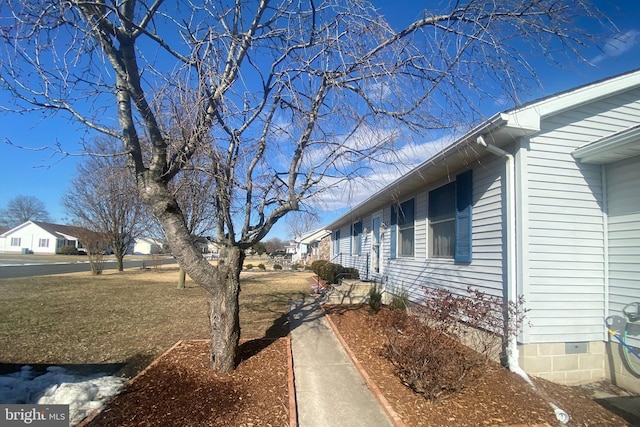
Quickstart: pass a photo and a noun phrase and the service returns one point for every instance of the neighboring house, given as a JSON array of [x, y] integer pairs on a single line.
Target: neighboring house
[[290, 248], [541, 201], [147, 246], [308, 246], [40, 238], [211, 249]]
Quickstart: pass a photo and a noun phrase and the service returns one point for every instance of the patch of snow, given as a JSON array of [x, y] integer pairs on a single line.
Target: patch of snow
[[59, 386]]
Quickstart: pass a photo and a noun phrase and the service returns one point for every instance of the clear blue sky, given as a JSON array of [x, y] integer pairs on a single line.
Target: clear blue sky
[[46, 176]]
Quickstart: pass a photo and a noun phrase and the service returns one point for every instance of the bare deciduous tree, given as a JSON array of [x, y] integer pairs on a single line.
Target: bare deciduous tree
[[95, 244], [21, 209], [102, 197], [285, 98], [193, 189], [301, 221]]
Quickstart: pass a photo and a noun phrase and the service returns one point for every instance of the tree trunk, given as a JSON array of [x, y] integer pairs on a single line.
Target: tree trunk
[[120, 261], [221, 282], [119, 254], [182, 278], [224, 319]]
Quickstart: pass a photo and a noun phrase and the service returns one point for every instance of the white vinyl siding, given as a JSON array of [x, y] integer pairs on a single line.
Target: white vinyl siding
[[565, 235], [29, 236], [623, 192], [485, 272]]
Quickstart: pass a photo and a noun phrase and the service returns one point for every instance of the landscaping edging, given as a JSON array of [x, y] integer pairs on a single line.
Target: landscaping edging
[[290, 380], [293, 405], [395, 418]]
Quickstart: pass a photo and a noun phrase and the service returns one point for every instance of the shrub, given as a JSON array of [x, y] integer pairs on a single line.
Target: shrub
[[399, 302], [277, 267], [317, 265], [295, 267], [261, 267], [350, 273], [68, 250], [449, 340], [330, 272], [375, 299], [428, 361], [249, 266]]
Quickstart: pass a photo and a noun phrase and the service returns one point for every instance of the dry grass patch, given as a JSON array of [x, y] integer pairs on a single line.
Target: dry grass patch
[[129, 317]]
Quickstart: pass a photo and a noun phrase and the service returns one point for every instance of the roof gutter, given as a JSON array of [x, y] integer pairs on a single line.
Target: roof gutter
[[493, 124]]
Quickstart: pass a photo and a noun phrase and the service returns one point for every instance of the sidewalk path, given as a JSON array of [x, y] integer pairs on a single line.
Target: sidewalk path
[[329, 389]]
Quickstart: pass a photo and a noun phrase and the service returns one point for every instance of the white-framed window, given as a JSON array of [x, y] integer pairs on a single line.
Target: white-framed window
[[16, 241], [43, 243], [450, 219], [442, 221], [402, 220]]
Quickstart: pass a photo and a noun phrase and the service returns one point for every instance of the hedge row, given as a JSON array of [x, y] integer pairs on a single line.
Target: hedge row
[[331, 272]]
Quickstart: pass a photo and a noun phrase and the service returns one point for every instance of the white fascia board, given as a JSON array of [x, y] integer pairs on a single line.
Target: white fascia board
[[617, 146], [16, 228], [588, 93]]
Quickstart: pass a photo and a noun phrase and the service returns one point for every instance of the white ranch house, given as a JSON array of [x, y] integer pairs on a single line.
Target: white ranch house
[[308, 246], [147, 246], [39, 238], [541, 201]]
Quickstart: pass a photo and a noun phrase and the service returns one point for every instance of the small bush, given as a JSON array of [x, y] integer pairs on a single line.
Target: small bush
[[429, 362], [330, 272], [249, 266], [261, 267], [68, 250], [295, 267], [375, 299], [350, 273], [317, 265], [449, 340], [400, 302], [277, 267]]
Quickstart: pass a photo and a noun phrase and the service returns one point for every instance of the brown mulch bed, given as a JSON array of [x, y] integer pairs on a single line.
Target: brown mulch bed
[[498, 398], [180, 389]]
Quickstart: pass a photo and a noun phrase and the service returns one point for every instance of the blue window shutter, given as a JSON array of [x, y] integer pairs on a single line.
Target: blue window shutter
[[464, 195], [393, 231]]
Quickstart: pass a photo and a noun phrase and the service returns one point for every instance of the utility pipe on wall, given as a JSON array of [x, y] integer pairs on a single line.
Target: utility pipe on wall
[[512, 289], [512, 344]]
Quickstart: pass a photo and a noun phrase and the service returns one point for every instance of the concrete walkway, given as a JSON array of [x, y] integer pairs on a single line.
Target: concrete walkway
[[329, 389]]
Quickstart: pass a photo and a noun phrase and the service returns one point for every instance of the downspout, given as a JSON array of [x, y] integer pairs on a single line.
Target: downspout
[[605, 238], [512, 290]]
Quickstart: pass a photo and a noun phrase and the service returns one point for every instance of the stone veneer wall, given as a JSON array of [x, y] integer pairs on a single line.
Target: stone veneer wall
[[325, 247]]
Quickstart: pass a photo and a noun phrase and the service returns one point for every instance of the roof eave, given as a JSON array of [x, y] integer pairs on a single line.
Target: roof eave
[[500, 130]]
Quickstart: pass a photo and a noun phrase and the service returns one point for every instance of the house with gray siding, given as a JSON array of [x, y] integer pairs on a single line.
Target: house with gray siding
[[540, 201]]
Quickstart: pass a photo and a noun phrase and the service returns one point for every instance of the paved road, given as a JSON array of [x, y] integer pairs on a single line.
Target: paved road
[[10, 269]]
